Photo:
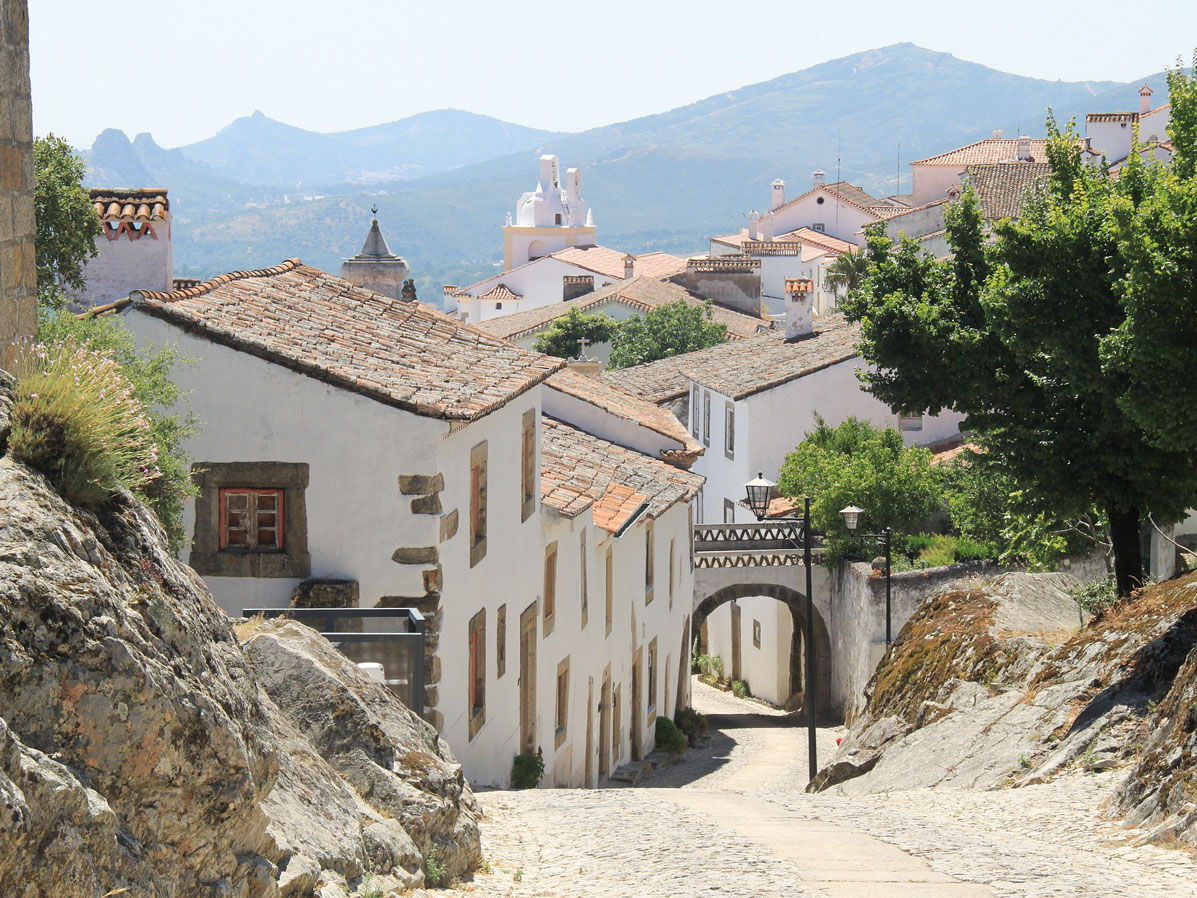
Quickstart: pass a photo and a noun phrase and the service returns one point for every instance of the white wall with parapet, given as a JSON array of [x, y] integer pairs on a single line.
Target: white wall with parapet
[[539, 283], [253, 410], [123, 265], [932, 182], [765, 668], [838, 218]]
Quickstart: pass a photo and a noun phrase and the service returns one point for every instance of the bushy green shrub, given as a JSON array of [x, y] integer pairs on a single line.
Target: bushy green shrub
[[435, 874], [710, 666], [913, 544], [669, 737], [941, 552], [972, 550], [740, 689], [75, 419], [527, 770], [691, 723], [1095, 596]]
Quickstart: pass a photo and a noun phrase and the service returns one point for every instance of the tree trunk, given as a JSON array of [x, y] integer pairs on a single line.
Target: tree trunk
[[1128, 555]]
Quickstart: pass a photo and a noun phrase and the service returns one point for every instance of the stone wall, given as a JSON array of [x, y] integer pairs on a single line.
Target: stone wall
[[18, 273]]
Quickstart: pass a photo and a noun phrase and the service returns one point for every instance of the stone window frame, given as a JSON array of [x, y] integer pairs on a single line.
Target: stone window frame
[[756, 633], [694, 409], [729, 511], [549, 595], [649, 558], [501, 641], [910, 423], [476, 684], [651, 704], [478, 457], [528, 465], [729, 429], [207, 558], [706, 418], [609, 581], [561, 709], [584, 578]]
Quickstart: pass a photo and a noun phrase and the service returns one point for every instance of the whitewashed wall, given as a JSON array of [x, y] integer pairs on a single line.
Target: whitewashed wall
[[538, 283], [123, 265], [766, 668]]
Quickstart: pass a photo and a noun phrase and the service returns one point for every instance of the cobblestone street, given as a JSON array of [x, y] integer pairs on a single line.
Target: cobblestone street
[[732, 819]]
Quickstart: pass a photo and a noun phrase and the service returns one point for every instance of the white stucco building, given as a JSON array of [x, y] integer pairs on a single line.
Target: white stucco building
[[133, 251], [550, 218], [751, 403], [349, 436], [1110, 133]]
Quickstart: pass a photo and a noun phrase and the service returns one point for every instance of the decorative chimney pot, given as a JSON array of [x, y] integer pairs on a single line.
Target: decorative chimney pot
[[799, 308]]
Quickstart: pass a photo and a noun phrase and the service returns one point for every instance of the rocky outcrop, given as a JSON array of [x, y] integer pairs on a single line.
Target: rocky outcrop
[[141, 748], [996, 683]]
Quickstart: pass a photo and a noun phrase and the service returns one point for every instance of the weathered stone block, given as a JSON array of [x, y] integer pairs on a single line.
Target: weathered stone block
[[326, 593], [432, 670], [431, 694], [426, 505], [436, 719], [421, 484], [416, 555], [432, 579], [449, 525]]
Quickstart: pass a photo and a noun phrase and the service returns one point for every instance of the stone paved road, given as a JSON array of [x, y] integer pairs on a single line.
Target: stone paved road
[[732, 820]]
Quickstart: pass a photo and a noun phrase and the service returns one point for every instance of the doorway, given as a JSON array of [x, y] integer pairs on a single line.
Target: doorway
[[637, 710], [605, 725], [588, 776], [736, 672], [528, 680]]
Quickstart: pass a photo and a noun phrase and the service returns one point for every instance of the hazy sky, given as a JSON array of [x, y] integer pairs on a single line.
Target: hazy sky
[[182, 69]]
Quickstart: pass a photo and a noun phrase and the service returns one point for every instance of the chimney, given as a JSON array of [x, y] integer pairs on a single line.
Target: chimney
[[575, 285], [754, 220], [629, 266], [779, 193], [997, 133], [799, 308], [767, 226], [819, 177], [1024, 149], [1145, 93]]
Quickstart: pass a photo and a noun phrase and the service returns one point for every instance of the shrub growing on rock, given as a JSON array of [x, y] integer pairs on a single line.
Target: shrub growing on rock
[[669, 737], [75, 419]]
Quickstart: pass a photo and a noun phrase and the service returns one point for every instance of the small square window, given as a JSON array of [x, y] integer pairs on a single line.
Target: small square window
[[910, 422], [251, 520], [756, 633]]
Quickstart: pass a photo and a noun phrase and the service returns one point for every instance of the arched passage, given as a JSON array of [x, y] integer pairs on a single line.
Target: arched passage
[[796, 602]]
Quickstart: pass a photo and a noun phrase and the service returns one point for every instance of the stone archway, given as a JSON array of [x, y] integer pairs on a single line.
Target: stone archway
[[796, 602]]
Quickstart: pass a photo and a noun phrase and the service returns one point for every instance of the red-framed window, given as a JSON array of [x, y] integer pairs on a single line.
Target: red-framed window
[[251, 519]]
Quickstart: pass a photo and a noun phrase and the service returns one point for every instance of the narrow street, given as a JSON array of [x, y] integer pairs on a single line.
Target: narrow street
[[732, 819]]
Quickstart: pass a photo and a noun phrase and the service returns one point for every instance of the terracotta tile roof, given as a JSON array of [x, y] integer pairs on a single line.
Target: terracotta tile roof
[[1112, 117], [500, 293], [945, 455], [622, 404], [127, 204], [403, 354], [1003, 187], [579, 469], [808, 236], [742, 369], [849, 193], [617, 506], [642, 294], [609, 262], [987, 151]]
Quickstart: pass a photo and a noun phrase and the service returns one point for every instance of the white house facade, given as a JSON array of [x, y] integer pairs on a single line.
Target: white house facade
[[378, 447], [549, 218]]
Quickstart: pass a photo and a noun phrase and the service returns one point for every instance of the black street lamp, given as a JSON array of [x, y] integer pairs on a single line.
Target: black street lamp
[[759, 492], [851, 516]]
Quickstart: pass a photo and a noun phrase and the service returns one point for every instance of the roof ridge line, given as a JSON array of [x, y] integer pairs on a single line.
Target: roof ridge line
[[212, 283]]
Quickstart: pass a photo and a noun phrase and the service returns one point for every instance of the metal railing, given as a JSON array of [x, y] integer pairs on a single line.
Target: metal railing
[[394, 638]]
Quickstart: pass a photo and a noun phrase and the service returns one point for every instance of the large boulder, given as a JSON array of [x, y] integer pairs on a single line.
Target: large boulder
[[996, 683], [142, 749]]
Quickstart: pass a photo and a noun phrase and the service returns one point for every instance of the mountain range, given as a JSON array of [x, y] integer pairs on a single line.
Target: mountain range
[[260, 190]]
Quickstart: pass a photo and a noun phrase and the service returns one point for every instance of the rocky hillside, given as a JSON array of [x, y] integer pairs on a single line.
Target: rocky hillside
[[998, 683], [145, 752]]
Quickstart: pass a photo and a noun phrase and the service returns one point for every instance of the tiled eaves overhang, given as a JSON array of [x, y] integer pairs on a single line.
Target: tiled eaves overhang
[[157, 304]]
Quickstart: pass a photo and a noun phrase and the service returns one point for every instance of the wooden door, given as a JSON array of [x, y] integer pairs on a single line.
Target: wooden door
[[589, 775], [605, 726], [528, 680], [736, 673], [637, 709]]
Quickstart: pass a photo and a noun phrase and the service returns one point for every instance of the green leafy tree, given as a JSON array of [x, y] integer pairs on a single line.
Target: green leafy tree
[[1154, 350], [667, 330], [1010, 333], [171, 419], [858, 464], [846, 272], [561, 338], [66, 223]]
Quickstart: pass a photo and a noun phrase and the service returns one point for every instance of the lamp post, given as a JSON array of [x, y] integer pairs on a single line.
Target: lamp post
[[759, 491], [851, 516]]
